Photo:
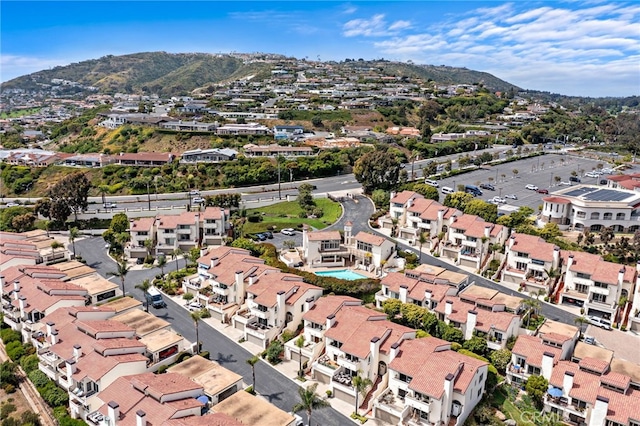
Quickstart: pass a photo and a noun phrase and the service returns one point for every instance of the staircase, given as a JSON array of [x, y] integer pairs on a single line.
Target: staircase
[[365, 402]]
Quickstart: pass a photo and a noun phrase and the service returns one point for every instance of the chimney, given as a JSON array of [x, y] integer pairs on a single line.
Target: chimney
[[638, 267], [50, 328], [472, 319], [16, 290], [599, 411], [141, 418], [556, 257], [392, 195], [77, 351], [487, 231], [113, 411], [239, 275], [567, 383], [621, 276], [308, 304], [305, 237], [403, 293], [22, 302], [374, 345], [569, 262], [410, 202], [448, 396], [394, 351], [71, 368], [547, 365], [253, 279], [54, 337], [1, 285], [440, 217], [512, 241], [427, 298], [331, 319], [214, 261], [448, 307]]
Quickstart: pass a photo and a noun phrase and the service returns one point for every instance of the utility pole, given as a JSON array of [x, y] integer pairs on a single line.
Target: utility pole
[[279, 189], [148, 197]]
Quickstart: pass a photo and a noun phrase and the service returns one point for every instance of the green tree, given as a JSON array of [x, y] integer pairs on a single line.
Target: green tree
[[536, 386], [580, 322], [119, 223], [361, 385], [457, 200], [144, 286], [377, 170], [392, 308], [122, 269], [193, 255], [55, 245], [476, 344], [500, 359], [74, 233], [23, 222], [300, 344], [305, 196], [196, 316], [8, 373], [175, 254], [29, 363], [252, 362], [273, 351], [380, 198], [309, 401], [422, 239], [72, 190], [487, 211], [427, 191], [162, 261]]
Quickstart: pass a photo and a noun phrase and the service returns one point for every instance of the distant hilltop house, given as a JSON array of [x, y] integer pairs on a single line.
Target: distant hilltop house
[[403, 131], [443, 137], [215, 155], [189, 126], [144, 159], [287, 132], [29, 157], [88, 160], [273, 150], [114, 120]]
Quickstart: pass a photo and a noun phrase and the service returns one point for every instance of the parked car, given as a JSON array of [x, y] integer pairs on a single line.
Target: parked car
[[564, 183], [592, 174], [531, 187], [511, 196], [487, 186], [542, 191], [110, 205], [599, 322], [603, 181], [261, 237], [268, 234], [198, 200], [499, 200], [195, 306], [12, 204], [574, 179], [288, 231], [447, 190], [431, 182], [194, 192]]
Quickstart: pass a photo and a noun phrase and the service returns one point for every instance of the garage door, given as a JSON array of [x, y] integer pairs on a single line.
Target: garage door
[[322, 378], [343, 396], [238, 325], [216, 315], [255, 340], [295, 356], [386, 417], [468, 263]]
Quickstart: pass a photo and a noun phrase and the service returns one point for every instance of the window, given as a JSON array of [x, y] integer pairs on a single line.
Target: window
[[582, 288], [533, 370], [600, 298], [184, 226], [581, 215], [583, 276], [620, 216], [479, 392], [364, 246], [594, 215], [600, 285], [143, 233], [330, 245], [404, 378], [521, 266], [608, 216], [521, 254]]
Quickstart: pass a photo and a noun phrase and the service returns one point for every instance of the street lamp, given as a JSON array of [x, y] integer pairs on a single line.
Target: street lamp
[[148, 197]]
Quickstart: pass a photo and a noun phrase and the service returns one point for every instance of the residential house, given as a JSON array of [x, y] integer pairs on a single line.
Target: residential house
[[32, 158], [274, 150], [28, 242], [141, 230], [189, 126], [248, 409], [529, 261], [369, 250], [398, 206], [275, 302], [427, 217], [181, 231], [430, 384], [287, 132], [215, 155], [323, 248], [217, 382], [358, 340], [537, 355], [99, 289], [315, 325], [242, 129], [88, 160], [469, 239], [595, 284], [144, 159], [223, 276], [411, 289], [147, 399]]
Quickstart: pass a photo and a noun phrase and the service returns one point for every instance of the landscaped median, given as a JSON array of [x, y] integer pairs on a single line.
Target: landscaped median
[[289, 214]]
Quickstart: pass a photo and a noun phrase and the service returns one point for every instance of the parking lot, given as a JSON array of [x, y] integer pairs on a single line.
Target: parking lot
[[539, 171]]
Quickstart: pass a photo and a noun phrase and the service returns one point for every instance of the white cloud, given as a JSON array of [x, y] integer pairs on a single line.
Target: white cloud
[[399, 25], [376, 26], [568, 47], [13, 66]]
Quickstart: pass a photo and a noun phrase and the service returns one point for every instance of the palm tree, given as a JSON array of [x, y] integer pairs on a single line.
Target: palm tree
[[361, 385], [309, 401], [73, 234], [121, 272], [196, 316], [144, 286], [177, 252], [580, 321], [55, 245], [148, 244], [300, 344], [162, 260], [533, 305], [252, 362], [421, 239]]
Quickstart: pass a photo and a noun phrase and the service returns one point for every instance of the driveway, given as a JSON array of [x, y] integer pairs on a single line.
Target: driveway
[[270, 383]]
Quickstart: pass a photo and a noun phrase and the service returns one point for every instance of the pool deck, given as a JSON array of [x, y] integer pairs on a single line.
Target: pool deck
[[364, 273]]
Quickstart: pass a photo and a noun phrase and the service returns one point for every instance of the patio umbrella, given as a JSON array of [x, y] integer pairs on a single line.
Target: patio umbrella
[[554, 392]]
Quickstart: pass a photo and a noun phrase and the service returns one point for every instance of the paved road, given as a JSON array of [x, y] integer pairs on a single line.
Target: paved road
[[270, 383]]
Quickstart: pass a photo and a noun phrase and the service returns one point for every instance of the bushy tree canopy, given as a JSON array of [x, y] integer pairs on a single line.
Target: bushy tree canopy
[[377, 170]]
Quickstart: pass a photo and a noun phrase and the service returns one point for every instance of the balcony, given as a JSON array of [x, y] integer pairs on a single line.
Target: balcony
[[221, 289], [184, 231], [261, 331], [352, 364], [342, 379], [599, 290], [421, 404], [392, 404], [49, 371]]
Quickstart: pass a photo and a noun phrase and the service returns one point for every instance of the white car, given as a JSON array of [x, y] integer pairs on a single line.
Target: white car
[[431, 182], [447, 190], [599, 322], [110, 205], [194, 192], [499, 200], [198, 200], [12, 204], [511, 196], [591, 174], [531, 187], [195, 306], [288, 231], [564, 183]]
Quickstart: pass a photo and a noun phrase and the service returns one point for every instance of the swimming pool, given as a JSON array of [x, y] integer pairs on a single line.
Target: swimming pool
[[343, 274]]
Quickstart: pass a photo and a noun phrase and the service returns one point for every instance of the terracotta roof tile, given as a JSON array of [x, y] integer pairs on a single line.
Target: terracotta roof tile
[[372, 239]]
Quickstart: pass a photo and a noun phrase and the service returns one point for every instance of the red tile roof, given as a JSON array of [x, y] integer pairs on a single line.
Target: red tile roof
[[404, 196], [532, 349], [372, 239], [323, 235], [326, 306]]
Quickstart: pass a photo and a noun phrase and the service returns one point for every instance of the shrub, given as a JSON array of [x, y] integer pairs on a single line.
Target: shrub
[[38, 378], [54, 396], [273, 351], [250, 390], [15, 350], [29, 363], [8, 388], [205, 354], [182, 357], [329, 393], [162, 369], [6, 409], [358, 417], [9, 335], [287, 335]]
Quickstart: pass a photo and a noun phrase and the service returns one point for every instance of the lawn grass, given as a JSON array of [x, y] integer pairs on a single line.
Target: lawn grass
[[509, 409], [19, 113], [286, 215]]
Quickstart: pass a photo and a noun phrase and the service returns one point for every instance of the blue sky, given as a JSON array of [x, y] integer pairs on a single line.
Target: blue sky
[[587, 48]]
